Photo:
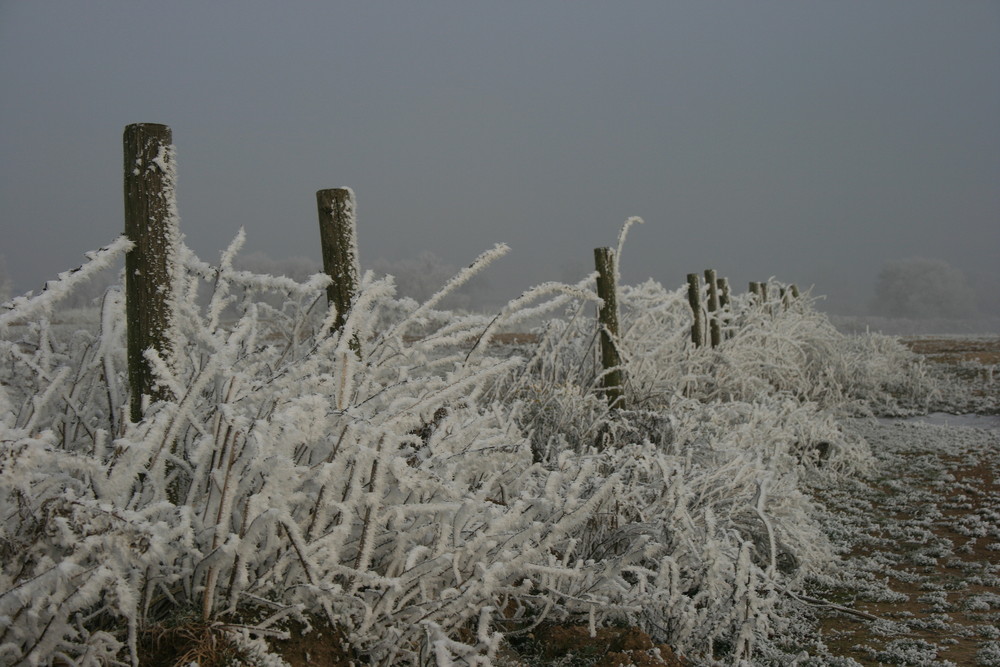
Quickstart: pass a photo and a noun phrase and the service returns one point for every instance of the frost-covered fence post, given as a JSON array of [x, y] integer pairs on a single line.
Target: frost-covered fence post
[[724, 306], [761, 290], [613, 380], [694, 298], [338, 232], [724, 296], [789, 296], [151, 225], [714, 328]]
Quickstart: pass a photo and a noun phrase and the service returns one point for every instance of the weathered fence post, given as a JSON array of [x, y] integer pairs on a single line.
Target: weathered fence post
[[725, 307], [763, 292], [714, 328], [613, 380], [694, 298], [724, 296], [338, 231], [786, 297], [151, 224]]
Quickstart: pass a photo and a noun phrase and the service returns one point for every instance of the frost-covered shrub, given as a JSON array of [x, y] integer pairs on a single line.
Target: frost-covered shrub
[[709, 455], [354, 474], [405, 481], [766, 350], [771, 358]]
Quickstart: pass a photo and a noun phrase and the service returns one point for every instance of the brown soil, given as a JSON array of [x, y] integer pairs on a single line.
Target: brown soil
[[985, 351], [184, 643], [319, 647], [516, 338], [573, 645], [568, 645], [948, 576], [209, 645]]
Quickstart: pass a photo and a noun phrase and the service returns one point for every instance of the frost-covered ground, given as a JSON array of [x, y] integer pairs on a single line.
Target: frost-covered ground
[[424, 494], [920, 534]]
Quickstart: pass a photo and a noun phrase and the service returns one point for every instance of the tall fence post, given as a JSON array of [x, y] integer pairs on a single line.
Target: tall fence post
[[613, 380], [714, 328], [150, 223], [338, 232], [694, 298]]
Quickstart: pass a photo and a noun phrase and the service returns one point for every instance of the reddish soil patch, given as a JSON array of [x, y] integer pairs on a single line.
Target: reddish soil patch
[[319, 647], [985, 351], [937, 536], [516, 338], [609, 647]]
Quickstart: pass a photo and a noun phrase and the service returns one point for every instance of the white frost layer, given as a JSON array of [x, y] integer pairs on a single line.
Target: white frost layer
[[945, 419]]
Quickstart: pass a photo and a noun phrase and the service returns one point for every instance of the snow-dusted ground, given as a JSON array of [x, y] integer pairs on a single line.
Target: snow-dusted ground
[[968, 420], [920, 535]]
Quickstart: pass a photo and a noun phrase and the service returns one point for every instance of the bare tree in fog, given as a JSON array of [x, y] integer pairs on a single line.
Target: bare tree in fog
[[921, 288], [420, 277], [417, 278], [6, 285], [296, 268]]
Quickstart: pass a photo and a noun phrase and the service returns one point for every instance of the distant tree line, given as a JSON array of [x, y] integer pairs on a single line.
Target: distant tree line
[[6, 285], [921, 288]]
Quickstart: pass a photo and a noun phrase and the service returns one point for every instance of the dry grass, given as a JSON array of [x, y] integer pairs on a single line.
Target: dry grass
[[181, 644]]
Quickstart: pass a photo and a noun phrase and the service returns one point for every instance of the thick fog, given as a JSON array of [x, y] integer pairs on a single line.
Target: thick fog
[[841, 145]]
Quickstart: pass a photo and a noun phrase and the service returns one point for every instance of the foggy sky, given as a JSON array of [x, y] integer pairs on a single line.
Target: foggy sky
[[807, 141]]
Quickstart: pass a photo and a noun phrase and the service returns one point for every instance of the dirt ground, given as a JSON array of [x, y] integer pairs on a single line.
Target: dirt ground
[[921, 541], [921, 536], [984, 350]]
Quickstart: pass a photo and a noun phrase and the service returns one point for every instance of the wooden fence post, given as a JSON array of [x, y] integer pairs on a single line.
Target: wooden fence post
[[150, 223], [786, 297], [715, 330], [725, 307], [760, 289], [338, 232], [613, 380], [724, 296], [694, 298]]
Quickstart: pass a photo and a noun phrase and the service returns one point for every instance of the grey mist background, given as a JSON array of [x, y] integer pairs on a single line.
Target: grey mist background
[[814, 142]]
